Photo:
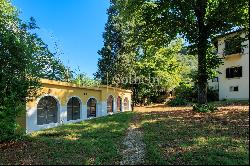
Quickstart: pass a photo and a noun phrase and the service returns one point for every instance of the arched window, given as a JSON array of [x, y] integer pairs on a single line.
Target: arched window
[[126, 104], [91, 104], [119, 104], [47, 111], [73, 109], [110, 104]]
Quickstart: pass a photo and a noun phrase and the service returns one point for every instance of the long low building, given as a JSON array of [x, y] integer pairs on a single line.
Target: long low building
[[61, 103]]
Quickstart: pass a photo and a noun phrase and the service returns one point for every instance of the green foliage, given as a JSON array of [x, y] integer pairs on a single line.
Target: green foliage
[[124, 57], [24, 59], [114, 63], [157, 23], [51, 67], [212, 95], [189, 93], [234, 44], [186, 91], [166, 65], [213, 62], [204, 108], [83, 80], [177, 102], [91, 142], [8, 127], [17, 79]]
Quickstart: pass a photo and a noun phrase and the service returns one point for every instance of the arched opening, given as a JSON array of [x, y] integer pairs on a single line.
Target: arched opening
[[119, 104], [91, 107], [110, 104], [47, 110], [126, 104], [73, 109]]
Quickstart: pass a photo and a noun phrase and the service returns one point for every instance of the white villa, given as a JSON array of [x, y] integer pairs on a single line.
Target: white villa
[[233, 80]]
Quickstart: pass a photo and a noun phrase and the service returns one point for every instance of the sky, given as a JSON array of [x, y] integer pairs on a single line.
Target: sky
[[75, 25]]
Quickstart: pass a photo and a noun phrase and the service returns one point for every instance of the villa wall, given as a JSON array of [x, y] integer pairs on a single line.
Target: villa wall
[[234, 60], [62, 92]]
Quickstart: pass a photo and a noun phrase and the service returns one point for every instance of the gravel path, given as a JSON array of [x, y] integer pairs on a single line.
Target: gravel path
[[134, 151]]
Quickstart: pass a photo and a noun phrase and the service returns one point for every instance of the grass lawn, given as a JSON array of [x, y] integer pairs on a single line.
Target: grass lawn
[[172, 135], [230, 102], [180, 136], [95, 141]]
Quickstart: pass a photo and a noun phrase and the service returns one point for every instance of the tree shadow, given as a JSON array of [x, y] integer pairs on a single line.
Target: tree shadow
[[186, 137], [94, 141]]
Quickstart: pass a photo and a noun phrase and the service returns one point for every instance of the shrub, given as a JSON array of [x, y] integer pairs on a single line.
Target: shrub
[[24, 59], [204, 108], [8, 114], [6, 130], [187, 92], [177, 102], [212, 95]]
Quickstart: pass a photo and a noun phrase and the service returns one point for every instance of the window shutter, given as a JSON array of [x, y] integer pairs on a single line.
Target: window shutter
[[234, 72], [227, 73], [240, 71], [237, 71], [236, 89]]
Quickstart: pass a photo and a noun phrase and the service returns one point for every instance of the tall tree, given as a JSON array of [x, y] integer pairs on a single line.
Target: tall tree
[[114, 63], [24, 59], [128, 61], [198, 21], [165, 68]]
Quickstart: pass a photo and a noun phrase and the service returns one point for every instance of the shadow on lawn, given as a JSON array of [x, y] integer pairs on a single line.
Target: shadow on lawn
[[186, 137], [93, 141]]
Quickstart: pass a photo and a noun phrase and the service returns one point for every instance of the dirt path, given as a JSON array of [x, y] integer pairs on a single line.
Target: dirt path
[[134, 151]]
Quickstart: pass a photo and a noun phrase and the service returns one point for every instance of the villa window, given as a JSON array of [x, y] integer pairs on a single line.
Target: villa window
[[234, 88], [216, 79], [47, 111], [73, 109], [91, 107], [110, 104], [119, 104], [126, 104], [234, 72], [233, 46]]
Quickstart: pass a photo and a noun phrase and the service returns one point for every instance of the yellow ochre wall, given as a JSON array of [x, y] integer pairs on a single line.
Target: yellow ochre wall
[[63, 91]]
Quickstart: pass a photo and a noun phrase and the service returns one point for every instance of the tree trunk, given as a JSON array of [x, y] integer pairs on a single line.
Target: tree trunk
[[202, 92], [202, 69], [202, 45], [134, 96]]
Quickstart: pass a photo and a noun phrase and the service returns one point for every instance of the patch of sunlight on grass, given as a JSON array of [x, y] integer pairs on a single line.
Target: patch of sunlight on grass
[[201, 141], [184, 137], [47, 133], [216, 127], [91, 142], [146, 122], [72, 137]]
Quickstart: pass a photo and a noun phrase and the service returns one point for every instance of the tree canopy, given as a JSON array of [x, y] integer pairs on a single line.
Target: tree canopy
[[144, 66], [24, 59], [115, 62], [158, 22]]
